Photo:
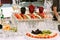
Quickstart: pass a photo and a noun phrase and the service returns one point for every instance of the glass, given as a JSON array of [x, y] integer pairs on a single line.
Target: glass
[[15, 6], [47, 5], [17, 2], [9, 28], [22, 28], [59, 23], [48, 21], [59, 28], [33, 25]]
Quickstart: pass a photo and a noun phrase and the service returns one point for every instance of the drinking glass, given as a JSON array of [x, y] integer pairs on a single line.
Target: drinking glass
[[59, 28], [48, 21], [48, 4], [59, 23], [15, 6], [9, 28], [33, 25]]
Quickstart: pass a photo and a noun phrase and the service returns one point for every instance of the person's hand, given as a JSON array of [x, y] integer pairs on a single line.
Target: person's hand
[[55, 11], [56, 14]]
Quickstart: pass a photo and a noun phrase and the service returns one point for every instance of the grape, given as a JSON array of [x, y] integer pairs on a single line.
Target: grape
[[37, 31]]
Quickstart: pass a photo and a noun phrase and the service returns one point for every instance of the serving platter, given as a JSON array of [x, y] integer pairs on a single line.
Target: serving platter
[[53, 36]]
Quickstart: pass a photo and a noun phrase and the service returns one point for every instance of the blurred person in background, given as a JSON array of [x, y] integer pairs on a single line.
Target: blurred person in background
[[0, 2], [55, 10], [6, 1], [31, 0]]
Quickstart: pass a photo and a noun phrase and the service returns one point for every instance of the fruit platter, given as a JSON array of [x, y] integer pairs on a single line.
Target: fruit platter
[[17, 17], [42, 34]]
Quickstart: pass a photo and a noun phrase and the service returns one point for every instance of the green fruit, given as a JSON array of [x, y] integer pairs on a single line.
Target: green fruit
[[46, 32], [14, 29]]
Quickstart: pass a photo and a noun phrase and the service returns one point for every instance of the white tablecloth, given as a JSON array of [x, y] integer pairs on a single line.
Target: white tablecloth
[[7, 13], [23, 38], [13, 38]]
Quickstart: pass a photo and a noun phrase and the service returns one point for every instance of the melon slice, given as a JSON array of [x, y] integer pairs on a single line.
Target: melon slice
[[18, 16]]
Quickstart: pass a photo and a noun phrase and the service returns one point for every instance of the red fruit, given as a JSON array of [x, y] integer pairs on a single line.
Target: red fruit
[[42, 15], [23, 16], [31, 8], [48, 36], [17, 16], [32, 16], [41, 9]]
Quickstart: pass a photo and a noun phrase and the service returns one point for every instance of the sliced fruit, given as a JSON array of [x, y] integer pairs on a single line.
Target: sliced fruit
[[46, 32], [36, 32], [6, 27], [18, 16], [28, 17], [37, 16], [43, 15], [54, 35], [32, 16], [23, 16]]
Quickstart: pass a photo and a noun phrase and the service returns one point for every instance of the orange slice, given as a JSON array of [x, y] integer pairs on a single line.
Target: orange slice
[[18, 16], [6, 27]]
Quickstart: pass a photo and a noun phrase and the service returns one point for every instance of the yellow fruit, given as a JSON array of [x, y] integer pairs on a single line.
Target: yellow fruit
[[6, 27]]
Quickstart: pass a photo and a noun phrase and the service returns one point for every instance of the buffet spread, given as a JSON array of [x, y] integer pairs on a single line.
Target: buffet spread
[[29, 26], [33, 33]]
